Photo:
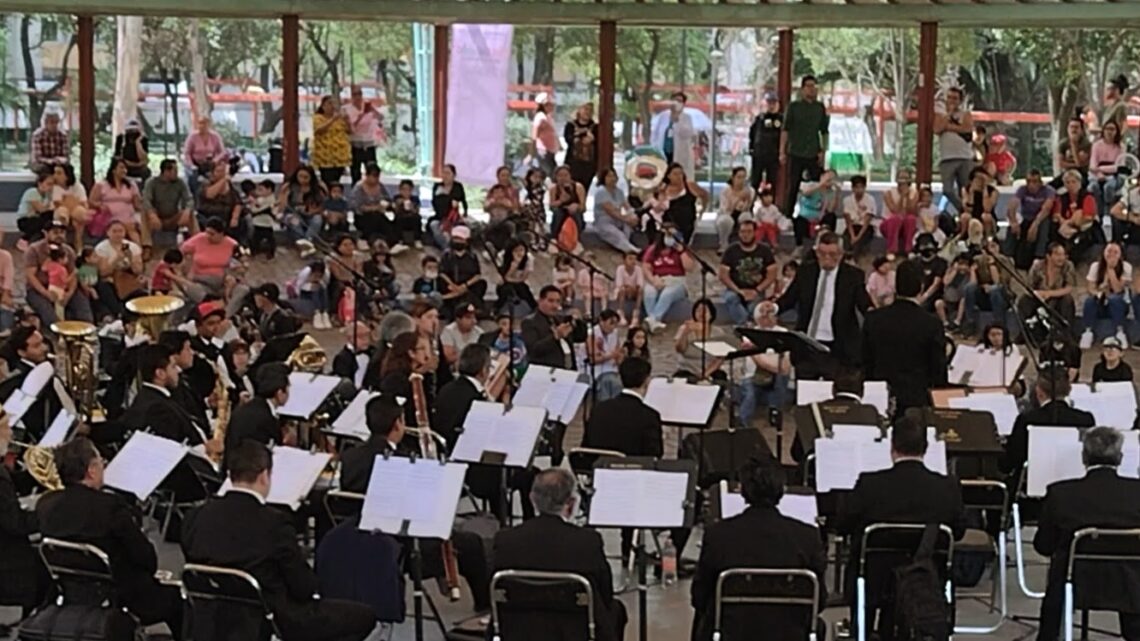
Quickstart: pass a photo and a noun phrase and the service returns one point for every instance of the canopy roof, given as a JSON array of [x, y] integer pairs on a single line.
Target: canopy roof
[[735, 13]]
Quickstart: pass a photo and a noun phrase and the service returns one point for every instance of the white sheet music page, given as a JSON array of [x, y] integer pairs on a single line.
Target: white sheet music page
[[424, 493], [875, 393], [58, 430], [295, 472], [490, 427], [843, 432], [963, 367], [801, 507], [808, 392], [1113, 404], [731, 503], [352, 421], [839, 463], [638, 498], [38, 378], [716, 349], [680, 403], [143, 463], [989, 370], [1003, 407], [1054, 455], [17, 404], [306, 393]]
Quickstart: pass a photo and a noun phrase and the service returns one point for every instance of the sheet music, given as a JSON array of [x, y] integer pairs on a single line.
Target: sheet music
[[489, 427], [731, 503], [838, 463], [38, 378], [556, 390], [981, 367], [143, 464], [639, 498], [352, 421], [855, 432], [295, 472], [716, 349], [306, 393], [680, 403], [1003, 407], [58, 430], [18, 404], [424, 493], [801, 507], [1054, 455], [563, 400], [874, 393], [1112, 404]]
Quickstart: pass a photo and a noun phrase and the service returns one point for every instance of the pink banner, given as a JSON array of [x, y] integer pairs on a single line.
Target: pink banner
[[477, 100]]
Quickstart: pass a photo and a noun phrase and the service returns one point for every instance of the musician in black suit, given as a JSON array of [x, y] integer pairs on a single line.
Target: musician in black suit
[[550, 542], [833, 319], [23, 581], [191, 399], [1051, 392], [26, 348], [906, 493], [905, 345], [81, 512], [351, 362], [272, 320], [213, 356], [257, 420], [240, 531], [1102, 498], [546, 333], [788, 544], [384, 418], [410, 353]]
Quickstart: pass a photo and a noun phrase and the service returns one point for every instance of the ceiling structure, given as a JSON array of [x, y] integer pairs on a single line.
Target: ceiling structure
[[631, 13]]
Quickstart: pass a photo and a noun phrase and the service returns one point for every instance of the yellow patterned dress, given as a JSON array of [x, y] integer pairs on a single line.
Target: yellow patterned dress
[[331, 148]]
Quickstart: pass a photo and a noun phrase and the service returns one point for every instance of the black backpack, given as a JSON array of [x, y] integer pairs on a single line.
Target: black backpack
[[921, 611], [80, 622]]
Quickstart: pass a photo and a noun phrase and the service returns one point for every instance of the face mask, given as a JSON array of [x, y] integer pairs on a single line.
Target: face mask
[[927, 252], [670, 241], [459, 247], [431, 275]]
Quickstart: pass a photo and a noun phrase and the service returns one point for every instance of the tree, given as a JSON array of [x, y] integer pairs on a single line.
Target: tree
[[37, 100], [198, 80], [128, 59]]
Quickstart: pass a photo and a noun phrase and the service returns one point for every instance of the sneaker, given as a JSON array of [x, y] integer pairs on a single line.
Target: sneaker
[[1122, 337], [419, 244], [398, 249], [1087, 339], [325, 322]]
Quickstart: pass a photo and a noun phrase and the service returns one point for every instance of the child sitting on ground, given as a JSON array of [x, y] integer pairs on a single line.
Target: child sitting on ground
[[336, 211], [628, 283], [264, 223], [768, 218], [429, 285], [563, 277], [56, 272], [593, 298]]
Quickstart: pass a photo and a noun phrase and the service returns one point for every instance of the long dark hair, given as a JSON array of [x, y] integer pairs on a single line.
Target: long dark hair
[[398, 358], [630, 349], [1102, 264], [110, 175], [1006, 345], [507, 255]]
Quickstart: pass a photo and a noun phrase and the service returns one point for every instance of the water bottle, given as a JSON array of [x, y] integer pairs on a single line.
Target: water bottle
[[668, 563]]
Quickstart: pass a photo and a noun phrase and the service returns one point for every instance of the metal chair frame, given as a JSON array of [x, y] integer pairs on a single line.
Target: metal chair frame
[[91, 551], [861, 581], [195, 569], [721, 600], [334, 518], [586, 477], [998, 580], [1018, 544], [536, 577], [1092, 533]]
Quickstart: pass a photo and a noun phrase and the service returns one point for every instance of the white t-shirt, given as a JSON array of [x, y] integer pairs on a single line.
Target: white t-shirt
[[452, 337], [77, 191], [952, 145], [105, 250], [1094, 273], [856, 209], [609, 344]]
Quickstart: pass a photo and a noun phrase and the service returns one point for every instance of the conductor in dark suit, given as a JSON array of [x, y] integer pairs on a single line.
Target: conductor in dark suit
[[257, 419], [788, 544], [906, 493], [1101, 499], [546, 333], [904, 345], [1051, 392], [828, 296], [551, 543], [23, 581], [240, 531], [81, 512]]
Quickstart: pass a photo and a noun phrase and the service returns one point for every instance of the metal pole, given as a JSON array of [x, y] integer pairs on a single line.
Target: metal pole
[[290, 112], [715, 56], [86, 105]]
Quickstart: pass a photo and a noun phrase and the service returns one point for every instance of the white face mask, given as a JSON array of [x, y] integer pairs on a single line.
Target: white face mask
[[670, 241], [431, 275]]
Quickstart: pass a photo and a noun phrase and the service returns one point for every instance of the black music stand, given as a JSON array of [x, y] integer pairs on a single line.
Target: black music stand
[[970, 435], [478, 454], [647, 464]]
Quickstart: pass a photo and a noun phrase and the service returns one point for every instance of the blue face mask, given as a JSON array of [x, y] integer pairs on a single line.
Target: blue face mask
[[670, 241]]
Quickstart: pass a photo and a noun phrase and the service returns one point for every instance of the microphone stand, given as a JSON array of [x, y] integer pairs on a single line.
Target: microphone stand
[[706, 269], [593, 270], [358, 278]]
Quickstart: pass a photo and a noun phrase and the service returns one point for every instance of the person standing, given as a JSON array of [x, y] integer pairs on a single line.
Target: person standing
[[203, 147], [764, 143], [331, 149], [803, 141], [544, 141], [363, 120], [581, 135], [955, 130], [677, 136]]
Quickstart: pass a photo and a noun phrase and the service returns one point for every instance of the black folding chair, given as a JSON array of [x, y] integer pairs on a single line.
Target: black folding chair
[[1094, 547], [553, 596], [992, 498], [754, 586], [341, 506], [897, 541], [81, 572], [226, 605]]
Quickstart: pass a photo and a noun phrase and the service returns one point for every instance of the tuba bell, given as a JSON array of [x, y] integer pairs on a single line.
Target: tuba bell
[[308, 356], [154, 313], [77, 355]]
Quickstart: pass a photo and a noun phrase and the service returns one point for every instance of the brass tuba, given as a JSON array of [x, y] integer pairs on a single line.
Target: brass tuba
[[76, 363], [154, 313], [308, 356]]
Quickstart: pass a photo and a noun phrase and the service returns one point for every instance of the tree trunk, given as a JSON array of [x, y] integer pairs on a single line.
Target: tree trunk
[[543, 57], [35, 104], [200, 91], [643, 92], [128, 40]]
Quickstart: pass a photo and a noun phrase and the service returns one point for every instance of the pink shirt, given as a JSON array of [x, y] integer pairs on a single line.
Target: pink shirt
[[362, 131], [119, 201], [542, 131], [1103, 156], [56, 274], [202, 147], [7, 271], [209, 259], [601, 285], [881, 288], [623, 278]]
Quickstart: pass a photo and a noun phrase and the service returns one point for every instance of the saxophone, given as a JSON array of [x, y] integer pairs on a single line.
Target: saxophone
[[221, 414]]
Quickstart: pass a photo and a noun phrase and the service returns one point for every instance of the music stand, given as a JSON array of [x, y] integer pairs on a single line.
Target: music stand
[[413, 499], [307, 392], [685, 406], [498, 436], [661, 492]]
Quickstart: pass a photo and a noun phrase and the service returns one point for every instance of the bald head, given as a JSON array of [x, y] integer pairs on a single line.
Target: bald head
[[359, 335]]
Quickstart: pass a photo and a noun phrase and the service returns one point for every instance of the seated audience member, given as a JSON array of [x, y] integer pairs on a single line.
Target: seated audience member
[[502, 206], [1074, 215], [603, 355], [1109, 281], [23, 582], [881, 281], [1051, 393], [567, 202], [34, 213], [613, 222], [861, 212], [449, 204], [989, 291], [748, 271], [462, 276], [1111, 366], [515, 267], [167, 202], [900, 222], [336, 211], [218, 198], [69, 198], [263, 219], [629, 281], [119, 197], [83, 513], [736, 201], [1052, 281], [382, 289], [75, 303], [1104, 182], [665, 264], [293, 199], [134, 148], [1029, 212], [120, 267], [1000, 163], [240, 531], [1099, 499], [550, 542], [788, 544], [408, 220], [209, 253], [370, 202], [907, 492], [312, 285]]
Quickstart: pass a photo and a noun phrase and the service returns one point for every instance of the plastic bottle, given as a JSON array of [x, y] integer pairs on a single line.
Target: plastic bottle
[[668, 563]]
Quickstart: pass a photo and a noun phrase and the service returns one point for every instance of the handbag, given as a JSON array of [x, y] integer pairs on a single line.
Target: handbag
[[98, 223], [80, 622]]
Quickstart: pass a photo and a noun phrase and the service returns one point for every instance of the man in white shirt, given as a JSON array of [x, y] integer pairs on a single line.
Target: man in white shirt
[[860, 215], [460, 333], [955, 130], [363, 121]]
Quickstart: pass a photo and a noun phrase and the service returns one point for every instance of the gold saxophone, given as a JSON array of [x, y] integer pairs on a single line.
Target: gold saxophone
[[221, 414]]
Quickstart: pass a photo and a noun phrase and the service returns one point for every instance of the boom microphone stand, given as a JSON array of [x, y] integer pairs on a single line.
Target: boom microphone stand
[[593, 271]]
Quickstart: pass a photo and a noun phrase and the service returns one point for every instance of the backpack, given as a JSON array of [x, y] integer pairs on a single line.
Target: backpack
[[921, 611]]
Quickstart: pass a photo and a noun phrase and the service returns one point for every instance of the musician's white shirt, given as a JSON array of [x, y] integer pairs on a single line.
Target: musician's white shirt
[[162, 390], [478, 386], [242, 490]]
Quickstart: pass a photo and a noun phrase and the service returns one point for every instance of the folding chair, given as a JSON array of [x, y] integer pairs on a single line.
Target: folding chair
[[555, 596], [81, 572], [1018, 544], [753, 586], [1095, 545], [898, 539], [230, 601], [341, 506], [989, 496]]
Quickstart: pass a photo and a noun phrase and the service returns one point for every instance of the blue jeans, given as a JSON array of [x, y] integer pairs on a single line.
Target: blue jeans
[[748, 397], [739, 310], [658, 301], [1106, 192], [997, 301], [607, 386], [316, 300], [303, 226], [1114, 305]]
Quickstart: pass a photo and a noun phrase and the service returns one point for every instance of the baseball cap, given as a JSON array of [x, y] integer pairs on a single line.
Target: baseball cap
[[268, 290], [209, 308], [57, 224], [542, 98], [1112, 341], [461, 232], [771, 96]]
